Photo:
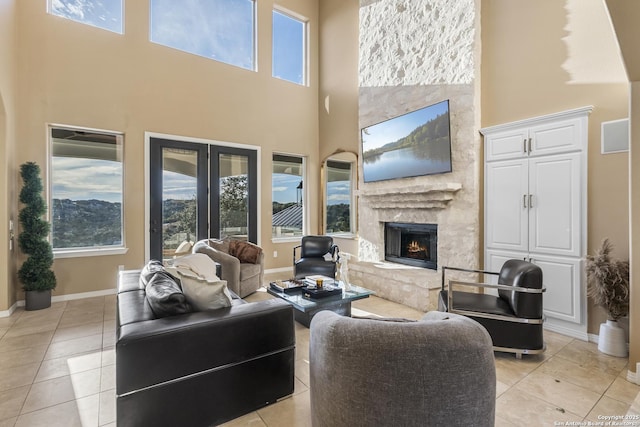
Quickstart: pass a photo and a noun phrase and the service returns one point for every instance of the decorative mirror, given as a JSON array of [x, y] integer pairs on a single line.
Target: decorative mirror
[[339, 177]]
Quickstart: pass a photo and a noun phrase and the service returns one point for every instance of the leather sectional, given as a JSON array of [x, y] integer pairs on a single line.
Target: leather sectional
[[199, 368]]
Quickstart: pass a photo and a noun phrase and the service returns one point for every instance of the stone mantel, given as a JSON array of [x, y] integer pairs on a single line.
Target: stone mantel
[[435, 196]]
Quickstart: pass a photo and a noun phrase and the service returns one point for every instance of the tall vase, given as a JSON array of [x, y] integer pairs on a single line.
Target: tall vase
[[611, 339], [344, 274]]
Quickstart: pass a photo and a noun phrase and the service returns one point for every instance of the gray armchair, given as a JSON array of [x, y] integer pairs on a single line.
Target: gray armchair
[[439, 371], [243, 278]]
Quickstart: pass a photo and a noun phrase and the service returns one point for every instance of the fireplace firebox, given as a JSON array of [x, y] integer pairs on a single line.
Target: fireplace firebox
[[411, 244]]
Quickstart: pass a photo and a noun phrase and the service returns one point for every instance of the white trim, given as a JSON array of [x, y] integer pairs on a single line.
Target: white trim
[[634, 377], [61, 298], [279, 270], [292, 239], [80, 295], [71, 252], [88, 252], [147, 149], [537, 120], [573, 333], [10, 311], [306, 57]]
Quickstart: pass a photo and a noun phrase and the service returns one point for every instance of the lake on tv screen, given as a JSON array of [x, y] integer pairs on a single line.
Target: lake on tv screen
[[402, 163]]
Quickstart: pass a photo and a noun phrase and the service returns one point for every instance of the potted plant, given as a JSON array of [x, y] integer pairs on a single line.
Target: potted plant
[[35, 273], [609, 287]]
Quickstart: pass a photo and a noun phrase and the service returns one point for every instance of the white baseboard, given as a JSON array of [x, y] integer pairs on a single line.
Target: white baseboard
[[9, 312], [279, 270], [634, 377], [81, 295], [567, 331], [71, 297]]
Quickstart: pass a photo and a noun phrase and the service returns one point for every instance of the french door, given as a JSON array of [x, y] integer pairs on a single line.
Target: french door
[[197, 191]]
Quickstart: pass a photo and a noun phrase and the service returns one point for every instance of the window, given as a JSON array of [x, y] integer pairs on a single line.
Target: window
[[287, 196], [105, 14], [223, 30], [339, 192], [86, 189], [289, 48]]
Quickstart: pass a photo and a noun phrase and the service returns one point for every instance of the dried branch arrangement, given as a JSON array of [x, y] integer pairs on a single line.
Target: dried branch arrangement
[[608, 281]]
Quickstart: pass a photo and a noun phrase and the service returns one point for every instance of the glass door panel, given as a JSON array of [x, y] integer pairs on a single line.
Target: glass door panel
[[191, 199], [234, 199], [179, 198], [234, 196], [178, 208]]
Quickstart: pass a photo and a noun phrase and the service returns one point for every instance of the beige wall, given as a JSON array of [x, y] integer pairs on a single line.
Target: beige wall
[[75, 74], [8, 171], [625, 17], [338, 96], [539, 58]]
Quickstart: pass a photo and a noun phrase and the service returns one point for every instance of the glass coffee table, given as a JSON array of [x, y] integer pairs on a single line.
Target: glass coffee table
[[305, 308]]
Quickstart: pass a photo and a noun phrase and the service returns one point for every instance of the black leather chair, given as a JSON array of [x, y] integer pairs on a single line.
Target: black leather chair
[[313, 250], [514, 317]]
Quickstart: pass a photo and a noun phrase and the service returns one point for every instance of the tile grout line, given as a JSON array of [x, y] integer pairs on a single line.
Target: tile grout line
[[20, 413]]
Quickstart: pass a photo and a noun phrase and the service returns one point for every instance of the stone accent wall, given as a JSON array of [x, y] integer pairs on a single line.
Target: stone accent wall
[[416, 42], [415, 53]]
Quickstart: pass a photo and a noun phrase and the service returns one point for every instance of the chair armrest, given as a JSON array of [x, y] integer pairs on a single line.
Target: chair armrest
[[492, 286], [230, 265], [294, 252], [464, 270], [451, 309]]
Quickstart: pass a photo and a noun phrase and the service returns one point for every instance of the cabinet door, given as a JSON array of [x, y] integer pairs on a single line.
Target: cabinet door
[[506, 205], [557, 137], [562, 279], [506, 145], [554, 206]]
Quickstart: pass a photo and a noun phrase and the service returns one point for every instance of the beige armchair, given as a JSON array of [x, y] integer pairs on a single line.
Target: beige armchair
[[243, 276]]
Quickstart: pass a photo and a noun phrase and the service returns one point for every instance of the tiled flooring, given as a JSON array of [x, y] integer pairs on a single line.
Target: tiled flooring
[[57, 369]]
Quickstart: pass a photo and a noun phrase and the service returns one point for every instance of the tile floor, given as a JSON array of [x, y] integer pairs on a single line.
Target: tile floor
[[57, 369]]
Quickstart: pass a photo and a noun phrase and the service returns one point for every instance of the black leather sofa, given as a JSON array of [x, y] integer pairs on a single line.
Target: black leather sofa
[[199, 368]]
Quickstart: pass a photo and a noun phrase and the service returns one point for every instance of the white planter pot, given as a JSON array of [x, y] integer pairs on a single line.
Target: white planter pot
[[611, 340]]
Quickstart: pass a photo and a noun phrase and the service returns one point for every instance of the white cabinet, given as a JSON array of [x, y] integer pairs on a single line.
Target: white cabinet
[[535, 207]]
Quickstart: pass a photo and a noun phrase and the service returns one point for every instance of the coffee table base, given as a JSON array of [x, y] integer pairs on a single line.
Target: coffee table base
[[304, 317]]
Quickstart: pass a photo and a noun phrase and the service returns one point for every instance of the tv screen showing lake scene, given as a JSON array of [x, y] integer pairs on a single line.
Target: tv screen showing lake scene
[[414, 144]]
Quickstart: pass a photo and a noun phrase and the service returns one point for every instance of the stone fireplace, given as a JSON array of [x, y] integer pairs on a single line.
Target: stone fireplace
[[408, 61], [411, 244]]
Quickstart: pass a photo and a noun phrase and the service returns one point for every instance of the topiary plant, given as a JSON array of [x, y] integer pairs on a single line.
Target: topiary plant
[[608, 282], [35, 273]]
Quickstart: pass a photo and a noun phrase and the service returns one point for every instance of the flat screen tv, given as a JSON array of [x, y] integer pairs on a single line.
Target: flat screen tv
[[413, 144]]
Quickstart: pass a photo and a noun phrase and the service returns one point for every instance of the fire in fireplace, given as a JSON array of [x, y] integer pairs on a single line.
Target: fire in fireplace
[[411, 244]]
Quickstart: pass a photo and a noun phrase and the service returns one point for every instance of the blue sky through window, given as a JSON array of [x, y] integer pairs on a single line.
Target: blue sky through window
[[284, 187], [288, 48], [78, 178], [217, 29], [106, 14]]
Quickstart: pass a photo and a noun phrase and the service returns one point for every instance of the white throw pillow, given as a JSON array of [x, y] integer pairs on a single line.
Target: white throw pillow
[[200, 264], [201, 293]]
